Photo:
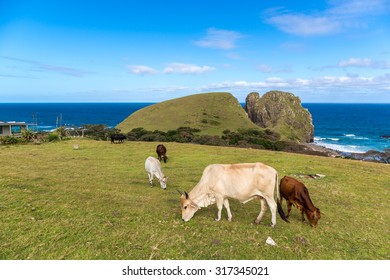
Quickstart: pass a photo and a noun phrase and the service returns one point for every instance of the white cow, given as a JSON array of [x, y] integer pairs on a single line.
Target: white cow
[[153, 167], [243, 182]]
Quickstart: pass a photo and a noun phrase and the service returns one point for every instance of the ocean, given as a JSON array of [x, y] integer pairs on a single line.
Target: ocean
[[353, 128], [345, 127]]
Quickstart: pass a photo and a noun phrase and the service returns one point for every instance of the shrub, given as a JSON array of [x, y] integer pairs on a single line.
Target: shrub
[[9, 140], [245, 138], [53, 137], [99, 131], [28, 135]]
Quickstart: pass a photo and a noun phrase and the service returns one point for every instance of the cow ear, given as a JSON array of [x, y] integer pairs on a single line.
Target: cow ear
[[186, 194]]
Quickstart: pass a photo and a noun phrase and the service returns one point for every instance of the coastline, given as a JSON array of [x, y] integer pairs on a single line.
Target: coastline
[[372, 155]]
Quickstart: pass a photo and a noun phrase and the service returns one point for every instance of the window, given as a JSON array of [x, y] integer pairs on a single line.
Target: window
[[16, 129], [1, 130]]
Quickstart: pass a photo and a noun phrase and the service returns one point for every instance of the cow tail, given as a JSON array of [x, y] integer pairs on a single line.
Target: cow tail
[[280, 209]]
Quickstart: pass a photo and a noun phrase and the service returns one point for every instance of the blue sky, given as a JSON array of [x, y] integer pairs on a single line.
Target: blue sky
[[149, 51]]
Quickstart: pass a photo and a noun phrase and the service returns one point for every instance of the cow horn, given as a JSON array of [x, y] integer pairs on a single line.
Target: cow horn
[[181, 193]]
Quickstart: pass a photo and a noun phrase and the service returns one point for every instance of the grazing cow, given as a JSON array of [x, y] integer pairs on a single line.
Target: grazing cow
[[243, 182], [161, 152], [119, 137], [296, 193], [153, 167]]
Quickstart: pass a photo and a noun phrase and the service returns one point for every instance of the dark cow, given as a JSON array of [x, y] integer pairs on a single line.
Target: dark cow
[[118, 137], [296, 193], [161, 152]]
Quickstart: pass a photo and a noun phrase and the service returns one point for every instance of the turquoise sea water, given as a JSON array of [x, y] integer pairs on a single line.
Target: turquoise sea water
[[344, 127], [351, 127]]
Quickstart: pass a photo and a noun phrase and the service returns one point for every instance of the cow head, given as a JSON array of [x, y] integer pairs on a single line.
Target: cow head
[[188, 207], [313, 217], [163, 182]]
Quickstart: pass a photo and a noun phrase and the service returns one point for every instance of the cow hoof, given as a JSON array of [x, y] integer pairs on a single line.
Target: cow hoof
[[229, 219], [217, 220], [272, 226], [256, 222]]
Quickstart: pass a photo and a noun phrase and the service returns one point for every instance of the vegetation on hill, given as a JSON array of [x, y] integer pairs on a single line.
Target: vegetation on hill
[[96, 203], [211, 113], [244, 138]]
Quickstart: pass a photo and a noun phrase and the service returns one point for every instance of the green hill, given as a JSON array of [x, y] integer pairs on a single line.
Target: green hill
[[212, 113]]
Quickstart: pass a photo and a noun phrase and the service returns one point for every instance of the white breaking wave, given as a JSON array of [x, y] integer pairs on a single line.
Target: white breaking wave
[[322, 139], [342, 148]]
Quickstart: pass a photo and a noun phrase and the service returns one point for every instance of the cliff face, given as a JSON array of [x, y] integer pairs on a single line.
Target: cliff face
[[282, 112]]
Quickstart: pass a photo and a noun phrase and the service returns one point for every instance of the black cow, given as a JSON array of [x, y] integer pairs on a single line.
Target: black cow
[[119, 137]]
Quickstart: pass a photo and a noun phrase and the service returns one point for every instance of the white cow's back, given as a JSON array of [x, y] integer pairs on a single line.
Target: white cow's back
[[152, 165], [240, 181]]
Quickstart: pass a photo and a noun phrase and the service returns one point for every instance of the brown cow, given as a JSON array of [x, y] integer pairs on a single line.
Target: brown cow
[[296, 193], [161, 152]]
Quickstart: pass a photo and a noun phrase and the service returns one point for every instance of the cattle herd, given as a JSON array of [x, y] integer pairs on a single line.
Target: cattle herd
[[244, 182]]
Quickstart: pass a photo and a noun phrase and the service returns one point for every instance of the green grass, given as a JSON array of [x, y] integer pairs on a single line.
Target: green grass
[[96, 203], [212, 113]]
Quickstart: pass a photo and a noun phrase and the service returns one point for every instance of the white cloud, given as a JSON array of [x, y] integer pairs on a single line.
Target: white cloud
[[219, 39], [141, 70], [345, 83], [171, 68], [182, 68], [305, 25], [364, 62], [339, 16], [355, 8], [264, 68], [357, 62], [38, 66]]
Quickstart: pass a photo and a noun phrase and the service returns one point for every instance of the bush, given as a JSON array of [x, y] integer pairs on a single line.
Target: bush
[[28, 135], [53, 137], [9, 140], [99, 131], [245, 138]]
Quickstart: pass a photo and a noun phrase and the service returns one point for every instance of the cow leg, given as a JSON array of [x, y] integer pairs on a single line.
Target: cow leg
[[229, 213], [289, 204], [303, 216], [263, 209], [219, 206], [272, 207], [150, 179]]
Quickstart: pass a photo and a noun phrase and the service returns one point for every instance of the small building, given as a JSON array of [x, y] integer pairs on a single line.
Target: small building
[[12, 128]]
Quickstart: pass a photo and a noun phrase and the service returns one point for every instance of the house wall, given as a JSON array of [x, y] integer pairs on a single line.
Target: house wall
[[5, 131]]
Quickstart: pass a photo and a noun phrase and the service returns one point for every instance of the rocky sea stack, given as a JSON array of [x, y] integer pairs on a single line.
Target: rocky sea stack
[[282, 112]]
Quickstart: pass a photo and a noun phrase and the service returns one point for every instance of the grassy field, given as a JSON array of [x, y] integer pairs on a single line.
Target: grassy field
[[95, 203]]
